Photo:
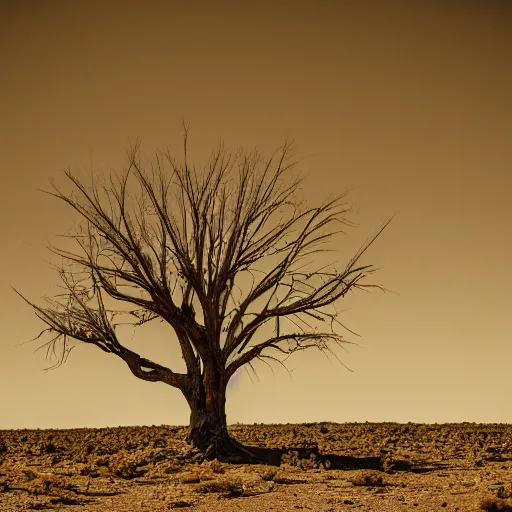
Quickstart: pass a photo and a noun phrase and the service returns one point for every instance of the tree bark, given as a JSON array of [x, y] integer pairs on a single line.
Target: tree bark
[[208, 429]]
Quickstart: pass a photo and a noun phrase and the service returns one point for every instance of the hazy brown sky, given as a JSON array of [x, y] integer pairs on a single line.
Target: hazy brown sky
[[406, 102]]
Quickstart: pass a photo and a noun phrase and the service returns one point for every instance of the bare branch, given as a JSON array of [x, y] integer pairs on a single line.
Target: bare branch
[[216, 253]]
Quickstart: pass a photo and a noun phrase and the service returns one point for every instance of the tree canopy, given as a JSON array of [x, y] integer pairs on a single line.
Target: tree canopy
[[216, 252]]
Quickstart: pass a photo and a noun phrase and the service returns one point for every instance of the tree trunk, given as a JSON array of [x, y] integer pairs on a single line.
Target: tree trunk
[[208, 429]]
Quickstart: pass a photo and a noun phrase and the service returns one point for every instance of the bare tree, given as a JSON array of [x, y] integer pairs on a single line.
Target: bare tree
[[217, 253]]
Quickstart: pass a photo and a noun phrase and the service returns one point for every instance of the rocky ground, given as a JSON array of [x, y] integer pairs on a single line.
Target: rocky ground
[[325, 467]]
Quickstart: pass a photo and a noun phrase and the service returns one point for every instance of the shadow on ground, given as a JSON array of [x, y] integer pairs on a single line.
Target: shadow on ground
[[300, 455]]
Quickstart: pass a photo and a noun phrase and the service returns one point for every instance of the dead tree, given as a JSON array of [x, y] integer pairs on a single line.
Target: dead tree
[[217, 253]]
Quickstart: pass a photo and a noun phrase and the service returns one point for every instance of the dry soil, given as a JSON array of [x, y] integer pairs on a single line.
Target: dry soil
[[327, 467]]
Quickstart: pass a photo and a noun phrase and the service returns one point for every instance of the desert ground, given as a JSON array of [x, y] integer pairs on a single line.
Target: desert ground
[[324, 467]]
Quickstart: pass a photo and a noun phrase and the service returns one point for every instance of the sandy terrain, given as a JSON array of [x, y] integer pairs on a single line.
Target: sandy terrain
[[335, 467]]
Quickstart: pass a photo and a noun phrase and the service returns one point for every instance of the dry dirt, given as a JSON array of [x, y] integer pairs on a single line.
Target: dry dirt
[[335, 467]]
